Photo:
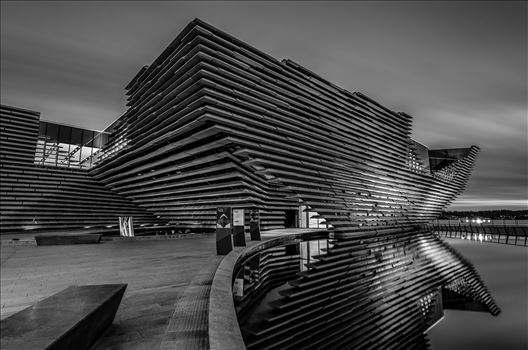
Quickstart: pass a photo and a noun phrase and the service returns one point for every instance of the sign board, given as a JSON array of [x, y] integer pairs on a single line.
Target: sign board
[[126, 226], [224, 243], [223, 217], [254, 224], [254, 215], [238, 217], [239, 232]]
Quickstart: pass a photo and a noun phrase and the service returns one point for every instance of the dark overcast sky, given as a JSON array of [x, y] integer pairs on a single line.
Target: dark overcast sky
[[459, 68]]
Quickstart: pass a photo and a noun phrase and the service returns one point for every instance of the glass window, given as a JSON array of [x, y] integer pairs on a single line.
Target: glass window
[[52, 132], [66, 146], [76, 136]]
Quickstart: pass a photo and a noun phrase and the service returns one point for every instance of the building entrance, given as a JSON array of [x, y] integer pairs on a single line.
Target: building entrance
[[292, 219]]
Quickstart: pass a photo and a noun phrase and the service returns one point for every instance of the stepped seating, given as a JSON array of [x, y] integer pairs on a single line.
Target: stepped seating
[[60, 199], [37, 198]]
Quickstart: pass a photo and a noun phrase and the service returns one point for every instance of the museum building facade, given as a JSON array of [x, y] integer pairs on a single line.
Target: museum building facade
[[213, 122]]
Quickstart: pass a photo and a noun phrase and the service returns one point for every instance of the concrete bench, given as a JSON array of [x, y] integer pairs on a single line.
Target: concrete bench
[[74, 318], [67, 238]]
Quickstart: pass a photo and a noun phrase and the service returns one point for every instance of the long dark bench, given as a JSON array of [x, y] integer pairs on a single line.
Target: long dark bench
[[73, 318], [68, 238]]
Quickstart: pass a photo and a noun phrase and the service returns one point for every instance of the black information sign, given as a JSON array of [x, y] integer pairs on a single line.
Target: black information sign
[[254, 224], [224, 242]]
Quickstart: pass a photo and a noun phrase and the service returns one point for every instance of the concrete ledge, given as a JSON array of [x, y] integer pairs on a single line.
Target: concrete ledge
[[224, 331]]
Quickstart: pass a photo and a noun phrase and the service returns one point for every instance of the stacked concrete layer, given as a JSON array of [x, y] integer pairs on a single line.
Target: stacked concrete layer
[[214, 122], [376, 290], [18, 137], [47, 198]]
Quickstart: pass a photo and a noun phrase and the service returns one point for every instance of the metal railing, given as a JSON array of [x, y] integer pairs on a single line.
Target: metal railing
[[502, 234]]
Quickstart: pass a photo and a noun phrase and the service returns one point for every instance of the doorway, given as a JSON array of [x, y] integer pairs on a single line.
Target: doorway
[[291, 219]]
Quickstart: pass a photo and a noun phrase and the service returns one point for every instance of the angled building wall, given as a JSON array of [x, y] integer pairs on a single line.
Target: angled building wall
[[214, 122], [41, 197]]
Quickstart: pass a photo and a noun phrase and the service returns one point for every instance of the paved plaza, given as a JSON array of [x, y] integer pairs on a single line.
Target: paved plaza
[[157, 273]]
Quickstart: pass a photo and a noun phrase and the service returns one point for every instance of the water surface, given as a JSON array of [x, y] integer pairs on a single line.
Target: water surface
[[504, 269]]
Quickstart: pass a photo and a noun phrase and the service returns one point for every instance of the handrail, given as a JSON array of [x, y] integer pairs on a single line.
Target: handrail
[[506, 234]]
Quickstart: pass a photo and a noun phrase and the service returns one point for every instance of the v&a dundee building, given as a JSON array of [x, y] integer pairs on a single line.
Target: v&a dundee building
[[215, 123]]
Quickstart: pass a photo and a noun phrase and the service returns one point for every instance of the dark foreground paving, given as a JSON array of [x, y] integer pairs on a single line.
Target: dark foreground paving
[[157, 273]]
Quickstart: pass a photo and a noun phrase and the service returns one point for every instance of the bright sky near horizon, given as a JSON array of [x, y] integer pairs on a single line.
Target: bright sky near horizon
[[459, 68]]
